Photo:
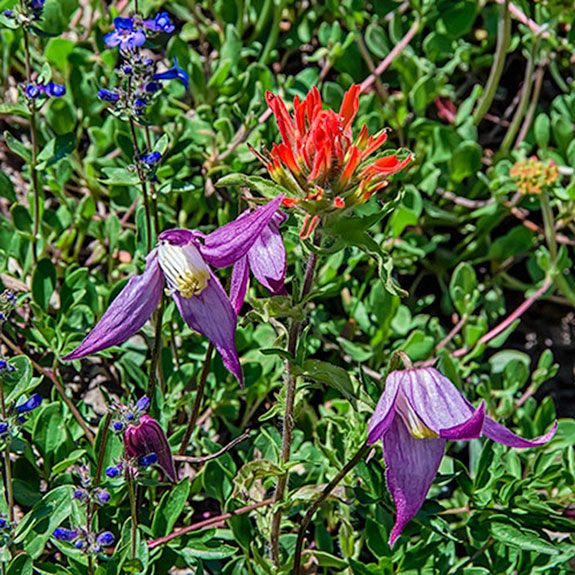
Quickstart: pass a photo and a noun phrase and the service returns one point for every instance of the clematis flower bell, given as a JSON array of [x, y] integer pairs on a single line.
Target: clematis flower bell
[[267, 261], [419, 410], [182, 261], [320, 161], [147, 438]]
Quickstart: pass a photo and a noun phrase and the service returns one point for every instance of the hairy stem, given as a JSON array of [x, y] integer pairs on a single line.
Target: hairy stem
[[503, 39], [287, 434], [198, 399], [102, 450], [321, 498]]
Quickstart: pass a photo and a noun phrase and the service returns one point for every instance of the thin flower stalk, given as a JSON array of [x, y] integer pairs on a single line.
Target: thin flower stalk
[[503, 40]]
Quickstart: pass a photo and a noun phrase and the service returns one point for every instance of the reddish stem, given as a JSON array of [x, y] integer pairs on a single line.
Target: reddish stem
[[207, 523]]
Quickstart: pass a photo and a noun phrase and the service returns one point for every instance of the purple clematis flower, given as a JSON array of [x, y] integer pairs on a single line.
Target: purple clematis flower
[[181, 260], [125, 36], [174, 73], [419, 410], [148, 438], [267, 260]]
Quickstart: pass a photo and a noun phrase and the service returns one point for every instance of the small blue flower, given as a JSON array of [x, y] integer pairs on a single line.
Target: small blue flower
[[105, 538], [80, 544], [148, 460], [62, 534], [125, 36], [130, 416], [3, 427], [174, 73], [102, 496], [150, 160], [54, 90], [5, 366], [144, 402], [80, 494], [108, 95], [32, 91], [36, 5], [127, 70], [161, 23], [118, 426], [152, 87], [140, 103], [8, 14], [113, 471], [31, 404]]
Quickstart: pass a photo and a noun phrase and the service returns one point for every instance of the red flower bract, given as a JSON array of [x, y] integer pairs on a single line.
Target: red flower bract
[[320, 161]]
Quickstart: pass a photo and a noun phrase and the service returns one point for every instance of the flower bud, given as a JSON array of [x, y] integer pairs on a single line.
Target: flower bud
[[62, 534], [29, 405], [146, 438], [105, 538]]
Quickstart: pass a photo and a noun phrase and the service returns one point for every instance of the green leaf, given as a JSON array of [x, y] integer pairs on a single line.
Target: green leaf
[[21, 565], [18, 147], [523, 539], [56, 149], [329, 374], [465, 160], [170, 508], [43, 283], [19, 381], [265, 187]]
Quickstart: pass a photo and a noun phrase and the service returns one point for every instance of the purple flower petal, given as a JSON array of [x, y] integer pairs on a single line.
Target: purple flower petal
[[497, 432], [470, 429], [179, 237], [411, 467], [438, 403], [267, 256], [226, 245], [112, 39], [211, 314], [385, 410], [239, 285], [148, 437], [127, 313]]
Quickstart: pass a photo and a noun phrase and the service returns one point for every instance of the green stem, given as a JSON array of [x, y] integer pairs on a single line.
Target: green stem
[[133, 509], [198, 399], [287, 434], [143, 185], [523, 103], [503, 39], [274, 33], [321, 498], [7, 462], [102, 450], [551, 240], [34, 146], [155, 364]]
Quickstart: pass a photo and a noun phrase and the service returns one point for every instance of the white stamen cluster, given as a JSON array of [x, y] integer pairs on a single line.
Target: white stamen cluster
[[184, 268]]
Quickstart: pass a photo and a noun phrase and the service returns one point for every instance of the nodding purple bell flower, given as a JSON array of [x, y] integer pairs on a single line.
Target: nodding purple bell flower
[[267, 261], [62, 534], [114, 471], [29, 405], [125, 36], [143, 403], [105, 538], [152, 158], [181, 261], [419, 410], [161, 23], [174, 73], [108, 95], [146, 438]]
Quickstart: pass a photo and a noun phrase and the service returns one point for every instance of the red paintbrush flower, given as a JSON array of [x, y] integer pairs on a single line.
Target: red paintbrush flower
[[320, 161]]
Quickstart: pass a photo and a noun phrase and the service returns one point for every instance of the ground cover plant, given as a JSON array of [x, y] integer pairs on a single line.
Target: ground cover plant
[[287, 287]]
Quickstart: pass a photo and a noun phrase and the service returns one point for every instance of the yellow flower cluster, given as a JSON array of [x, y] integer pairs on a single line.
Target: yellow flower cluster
[[532, 175]]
